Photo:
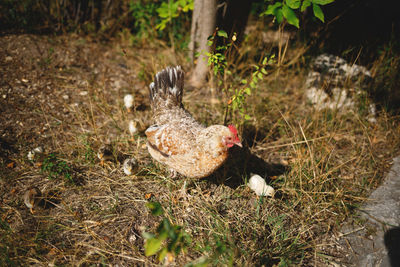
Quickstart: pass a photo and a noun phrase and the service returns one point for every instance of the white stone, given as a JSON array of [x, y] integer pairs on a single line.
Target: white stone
[[31, 155], [38, 150]]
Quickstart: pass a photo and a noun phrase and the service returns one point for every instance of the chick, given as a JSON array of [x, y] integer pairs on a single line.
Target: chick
[[260, 187], [129, 165], [32, 197], [128, 101], [132, 127], [105, 153]]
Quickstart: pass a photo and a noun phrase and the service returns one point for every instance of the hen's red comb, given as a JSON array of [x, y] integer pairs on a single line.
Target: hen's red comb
[[232, 128]]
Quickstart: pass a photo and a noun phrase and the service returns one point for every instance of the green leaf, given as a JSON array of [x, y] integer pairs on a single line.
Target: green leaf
[[260, 76], [247, 90], [247, 117], [318, 12], [264, 71], [147, 235], [265, 61], [243, 81], [162, 254], [322, 2], [293, 4], [305, 4], [222, 33], [271, 9], [155, 208], [289, 14], [279, 15], [152, 246]]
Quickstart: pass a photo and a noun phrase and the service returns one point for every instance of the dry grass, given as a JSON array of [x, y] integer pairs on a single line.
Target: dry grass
[[331, 161]]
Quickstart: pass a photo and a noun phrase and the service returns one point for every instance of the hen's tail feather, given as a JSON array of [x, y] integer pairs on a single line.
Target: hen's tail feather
[[168, 83]]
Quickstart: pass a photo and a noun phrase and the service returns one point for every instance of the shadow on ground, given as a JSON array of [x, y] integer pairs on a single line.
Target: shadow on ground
[[392, 244], [241, 164]]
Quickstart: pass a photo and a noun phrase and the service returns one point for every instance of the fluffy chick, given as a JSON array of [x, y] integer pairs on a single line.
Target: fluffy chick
[[105, 153], [129, 165], [128, 101], [32, 197]]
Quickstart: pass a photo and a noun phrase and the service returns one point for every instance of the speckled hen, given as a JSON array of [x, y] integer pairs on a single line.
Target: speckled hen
[[177, 139]]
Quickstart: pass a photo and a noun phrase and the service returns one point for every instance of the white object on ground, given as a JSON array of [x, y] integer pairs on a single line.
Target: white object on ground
[[132, 127], [128, 101], [129, 165], [260, 187]]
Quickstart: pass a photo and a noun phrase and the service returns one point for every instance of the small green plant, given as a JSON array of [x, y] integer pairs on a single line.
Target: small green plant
[[172, 20], [169, 240], [238, 99], [55, 167], [217, 58], [287, 9], [143, 13]]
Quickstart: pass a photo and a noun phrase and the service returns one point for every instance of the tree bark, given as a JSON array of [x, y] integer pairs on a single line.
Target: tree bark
[[229, 15], [203, 25]]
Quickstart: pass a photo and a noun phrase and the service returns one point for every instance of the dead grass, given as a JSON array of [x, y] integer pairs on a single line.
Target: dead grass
[[331, 161]]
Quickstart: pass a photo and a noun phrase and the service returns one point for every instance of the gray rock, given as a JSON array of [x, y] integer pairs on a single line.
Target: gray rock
[[375, 241], [333, 83]]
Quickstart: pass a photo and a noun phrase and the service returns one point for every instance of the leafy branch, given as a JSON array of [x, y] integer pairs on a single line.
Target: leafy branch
[[168, 241], [287, 9], [238, 99]]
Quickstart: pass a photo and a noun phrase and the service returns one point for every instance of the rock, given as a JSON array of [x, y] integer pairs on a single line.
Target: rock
[[34, 152], [376, 241], [334, 84]]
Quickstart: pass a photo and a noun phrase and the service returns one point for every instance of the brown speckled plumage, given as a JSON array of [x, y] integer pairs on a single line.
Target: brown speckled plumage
[[177, 139]]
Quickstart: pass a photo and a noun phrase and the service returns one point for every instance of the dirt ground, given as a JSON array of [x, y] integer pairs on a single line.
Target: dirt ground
[[65, 95], [46, 89]]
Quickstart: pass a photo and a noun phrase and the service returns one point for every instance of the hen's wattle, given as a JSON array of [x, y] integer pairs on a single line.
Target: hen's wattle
[[177, 139]]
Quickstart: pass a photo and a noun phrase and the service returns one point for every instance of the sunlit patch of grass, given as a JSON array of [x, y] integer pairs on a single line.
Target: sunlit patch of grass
[[332, 160]]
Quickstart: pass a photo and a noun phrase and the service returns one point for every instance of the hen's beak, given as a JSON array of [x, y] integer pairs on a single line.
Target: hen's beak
[[238, 144]]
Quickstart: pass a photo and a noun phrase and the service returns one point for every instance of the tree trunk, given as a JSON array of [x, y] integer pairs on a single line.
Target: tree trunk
[[229, 15], [203, 25]]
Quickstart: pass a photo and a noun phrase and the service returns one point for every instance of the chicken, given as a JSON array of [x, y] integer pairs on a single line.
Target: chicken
[[128, 102], [177, 139], [32, 197], [129, 165]]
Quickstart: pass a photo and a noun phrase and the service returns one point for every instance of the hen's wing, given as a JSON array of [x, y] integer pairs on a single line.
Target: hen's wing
[[169, 140]]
